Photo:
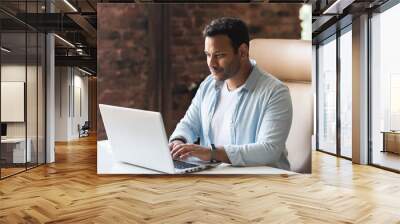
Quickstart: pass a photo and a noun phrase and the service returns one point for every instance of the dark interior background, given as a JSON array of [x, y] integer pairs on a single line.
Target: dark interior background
[[150, 56]]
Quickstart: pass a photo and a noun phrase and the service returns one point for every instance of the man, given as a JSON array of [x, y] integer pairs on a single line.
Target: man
[[241, 114]]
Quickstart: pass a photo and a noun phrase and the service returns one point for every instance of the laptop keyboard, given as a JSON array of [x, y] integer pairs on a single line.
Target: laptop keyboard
[[183, 165]]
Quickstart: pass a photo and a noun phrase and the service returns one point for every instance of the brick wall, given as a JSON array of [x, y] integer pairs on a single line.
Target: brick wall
[[124, 49], [187, 21], [122, 55]]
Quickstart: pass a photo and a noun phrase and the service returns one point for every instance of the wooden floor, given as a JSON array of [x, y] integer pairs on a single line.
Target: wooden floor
[[10, 171], [386, 159], [70, 191]]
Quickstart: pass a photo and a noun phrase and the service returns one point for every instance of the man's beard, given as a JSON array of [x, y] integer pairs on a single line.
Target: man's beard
[[222, 74]]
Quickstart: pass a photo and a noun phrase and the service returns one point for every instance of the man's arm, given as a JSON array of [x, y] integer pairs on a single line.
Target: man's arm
[[271, 139], [270, 143], [189, 127]]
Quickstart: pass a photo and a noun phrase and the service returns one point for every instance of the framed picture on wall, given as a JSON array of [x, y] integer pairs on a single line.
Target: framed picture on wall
[[12, 101]]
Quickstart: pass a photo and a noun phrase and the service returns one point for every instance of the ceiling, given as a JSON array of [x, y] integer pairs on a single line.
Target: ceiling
[[76, 22], [332, 15], [72, 20]]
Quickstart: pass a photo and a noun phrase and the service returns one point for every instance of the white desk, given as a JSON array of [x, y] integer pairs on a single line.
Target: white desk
[[106, 164], [19, 149]]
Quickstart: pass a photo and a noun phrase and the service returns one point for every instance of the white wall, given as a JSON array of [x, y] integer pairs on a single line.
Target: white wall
[[71, 94], [61, 103]]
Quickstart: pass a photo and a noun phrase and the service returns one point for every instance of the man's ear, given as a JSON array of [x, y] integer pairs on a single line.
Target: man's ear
[[244, 50]]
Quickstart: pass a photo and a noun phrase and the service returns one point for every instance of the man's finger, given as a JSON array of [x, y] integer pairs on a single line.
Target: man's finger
[[180, 151], [172, 144], [185, 155], [176, 147]]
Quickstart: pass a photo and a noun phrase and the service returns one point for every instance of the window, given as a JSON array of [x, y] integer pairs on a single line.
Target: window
[[385, 88], [346, 93], [327, 96]]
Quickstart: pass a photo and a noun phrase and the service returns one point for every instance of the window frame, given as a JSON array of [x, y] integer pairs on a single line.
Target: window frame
[[347, 27]]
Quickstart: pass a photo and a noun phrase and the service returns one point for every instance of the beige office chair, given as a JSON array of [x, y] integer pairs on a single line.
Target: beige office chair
[[290, 61]]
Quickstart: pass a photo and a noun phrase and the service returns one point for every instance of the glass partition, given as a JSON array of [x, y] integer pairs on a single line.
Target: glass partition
[[22, 88], [13, 107], [327, 96]]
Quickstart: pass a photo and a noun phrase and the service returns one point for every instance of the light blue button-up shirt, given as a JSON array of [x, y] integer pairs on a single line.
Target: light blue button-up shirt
[[259, 125]]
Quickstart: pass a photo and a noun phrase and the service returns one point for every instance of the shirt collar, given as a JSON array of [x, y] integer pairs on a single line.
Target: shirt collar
[[218, 84], [251, 81]]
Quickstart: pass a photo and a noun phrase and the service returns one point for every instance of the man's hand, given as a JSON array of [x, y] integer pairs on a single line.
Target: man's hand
[[182, 151], [174, 143]]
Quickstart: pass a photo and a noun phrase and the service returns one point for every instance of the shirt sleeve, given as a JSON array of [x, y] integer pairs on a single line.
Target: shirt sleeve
[[271, 139], [189, 127]]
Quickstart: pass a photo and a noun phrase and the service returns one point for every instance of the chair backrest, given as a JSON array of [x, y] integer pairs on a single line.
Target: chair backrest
[[290, 61], [86, 125]]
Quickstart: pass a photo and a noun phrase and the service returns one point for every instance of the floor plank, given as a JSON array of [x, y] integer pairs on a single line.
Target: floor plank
[[70, 191]]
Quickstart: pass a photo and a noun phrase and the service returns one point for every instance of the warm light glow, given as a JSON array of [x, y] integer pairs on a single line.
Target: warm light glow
[[337, 7], [86, 72], [70, 5], [5, 50], [65, 41]]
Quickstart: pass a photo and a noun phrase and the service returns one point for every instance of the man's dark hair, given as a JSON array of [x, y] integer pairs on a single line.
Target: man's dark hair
[[234, 28]]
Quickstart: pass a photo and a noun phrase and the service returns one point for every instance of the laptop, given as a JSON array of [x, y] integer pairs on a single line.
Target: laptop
[[138, 137]]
